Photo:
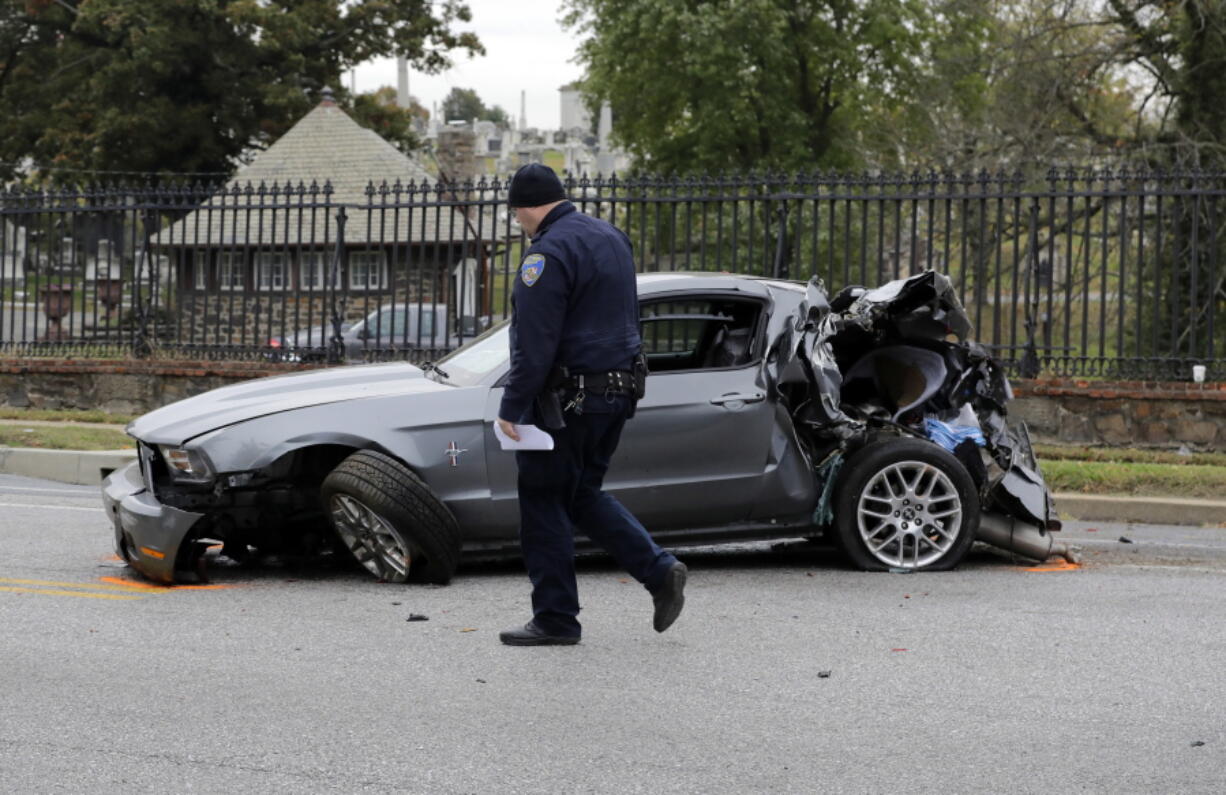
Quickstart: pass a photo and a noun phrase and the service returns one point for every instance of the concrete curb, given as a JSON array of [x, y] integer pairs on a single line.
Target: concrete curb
[[79, 467], [1141, 510]]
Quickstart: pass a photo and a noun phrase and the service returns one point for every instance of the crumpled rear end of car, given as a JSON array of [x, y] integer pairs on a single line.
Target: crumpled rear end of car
[[895, 362]]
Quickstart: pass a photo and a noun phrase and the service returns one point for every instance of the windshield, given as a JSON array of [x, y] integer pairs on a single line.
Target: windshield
[[485, 354]]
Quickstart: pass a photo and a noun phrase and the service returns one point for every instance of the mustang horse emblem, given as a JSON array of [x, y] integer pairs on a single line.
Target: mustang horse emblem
[[453, 453]]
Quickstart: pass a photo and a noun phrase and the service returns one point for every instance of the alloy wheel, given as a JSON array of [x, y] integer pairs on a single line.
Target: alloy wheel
[[371, 539], [909, 515]]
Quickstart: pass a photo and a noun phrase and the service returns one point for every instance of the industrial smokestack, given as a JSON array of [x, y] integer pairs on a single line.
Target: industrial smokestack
[[402, 81], [605, 127]]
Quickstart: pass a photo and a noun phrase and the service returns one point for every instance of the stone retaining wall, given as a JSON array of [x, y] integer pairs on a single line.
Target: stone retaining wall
[[122, 386], [1131, 413], [1124, 413]]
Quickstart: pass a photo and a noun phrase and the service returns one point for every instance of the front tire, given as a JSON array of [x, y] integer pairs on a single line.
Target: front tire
[[390, 521], [905, 504]]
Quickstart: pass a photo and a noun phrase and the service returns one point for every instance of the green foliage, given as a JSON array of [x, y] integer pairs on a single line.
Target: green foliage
[[189, 85], [464, 104], [749, 84], [700, 85], [378, 111]]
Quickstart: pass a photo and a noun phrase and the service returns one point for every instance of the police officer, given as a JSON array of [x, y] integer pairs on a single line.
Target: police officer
[[574, 340]]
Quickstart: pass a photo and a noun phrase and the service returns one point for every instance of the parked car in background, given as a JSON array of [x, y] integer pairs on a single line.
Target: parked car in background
[[390, 329], [771, 411]]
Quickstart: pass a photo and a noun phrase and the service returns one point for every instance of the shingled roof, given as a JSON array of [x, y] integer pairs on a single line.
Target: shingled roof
[[325, 147]]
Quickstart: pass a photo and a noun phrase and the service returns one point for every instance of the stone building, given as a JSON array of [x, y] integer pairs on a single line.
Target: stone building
[[265, 255]]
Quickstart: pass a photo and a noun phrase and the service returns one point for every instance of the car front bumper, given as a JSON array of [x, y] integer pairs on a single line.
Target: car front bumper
[[148, 534]]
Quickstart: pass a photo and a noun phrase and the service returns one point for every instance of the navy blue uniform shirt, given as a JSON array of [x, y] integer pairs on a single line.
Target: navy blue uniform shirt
[[575, 303]]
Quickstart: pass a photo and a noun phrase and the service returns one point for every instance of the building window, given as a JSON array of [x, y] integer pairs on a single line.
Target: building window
[[313, 270], [200, 270], [230, 267], [271, 270], [367, 270]]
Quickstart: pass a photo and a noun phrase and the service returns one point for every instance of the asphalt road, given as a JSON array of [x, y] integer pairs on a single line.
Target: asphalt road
[[990, 678]]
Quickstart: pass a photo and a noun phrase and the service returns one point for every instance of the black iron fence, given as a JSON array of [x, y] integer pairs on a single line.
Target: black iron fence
[[1077, 273]]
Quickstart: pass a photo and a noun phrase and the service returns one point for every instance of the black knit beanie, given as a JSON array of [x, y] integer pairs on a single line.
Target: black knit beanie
[[533, 185]]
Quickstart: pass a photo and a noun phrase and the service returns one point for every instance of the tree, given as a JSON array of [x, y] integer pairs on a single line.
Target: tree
[[748, 84], [188, 85], [1013, 85], [1181, 48], [378, 111], [464, 104]]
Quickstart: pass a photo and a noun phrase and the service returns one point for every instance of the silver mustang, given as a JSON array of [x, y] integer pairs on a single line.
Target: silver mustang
[[771, 411]]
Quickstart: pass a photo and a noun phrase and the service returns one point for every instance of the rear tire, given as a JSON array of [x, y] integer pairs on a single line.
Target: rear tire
[[905, 503], [390, 521]]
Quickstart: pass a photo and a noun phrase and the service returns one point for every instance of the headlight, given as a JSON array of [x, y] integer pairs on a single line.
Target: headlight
[[187, 465]]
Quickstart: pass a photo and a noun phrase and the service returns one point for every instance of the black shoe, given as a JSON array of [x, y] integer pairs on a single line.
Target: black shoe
[[532, 635], [670, 597]]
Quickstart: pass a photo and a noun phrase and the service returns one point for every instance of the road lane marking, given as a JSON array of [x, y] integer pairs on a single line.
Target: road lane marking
[[82, 594], [104, 586], [53, 507]]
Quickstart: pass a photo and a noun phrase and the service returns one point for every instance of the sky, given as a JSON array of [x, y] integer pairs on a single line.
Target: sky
[[526, 50]]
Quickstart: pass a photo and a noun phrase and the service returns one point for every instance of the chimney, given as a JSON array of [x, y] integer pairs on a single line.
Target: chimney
[[523, 110], [456, 152]]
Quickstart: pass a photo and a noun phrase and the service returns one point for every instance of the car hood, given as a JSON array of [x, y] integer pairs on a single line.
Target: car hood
[[186, 419]]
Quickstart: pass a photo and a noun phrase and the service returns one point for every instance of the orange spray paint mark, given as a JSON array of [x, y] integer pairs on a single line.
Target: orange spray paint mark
[[154, 587], [1056, 566]]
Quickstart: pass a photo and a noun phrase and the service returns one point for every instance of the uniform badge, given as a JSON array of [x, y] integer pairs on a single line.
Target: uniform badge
[[532, 268]]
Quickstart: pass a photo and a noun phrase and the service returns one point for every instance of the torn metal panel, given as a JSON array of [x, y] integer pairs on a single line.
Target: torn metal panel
[[923, 306], [897, 360]]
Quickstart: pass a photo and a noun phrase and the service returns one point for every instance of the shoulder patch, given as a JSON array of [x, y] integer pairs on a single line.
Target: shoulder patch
[[532, 268]]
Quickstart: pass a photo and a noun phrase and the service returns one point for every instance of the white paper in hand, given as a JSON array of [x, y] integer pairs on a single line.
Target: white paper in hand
[[530, 438]]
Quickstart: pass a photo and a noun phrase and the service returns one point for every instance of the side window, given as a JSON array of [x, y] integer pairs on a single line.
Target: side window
[[699, 333]]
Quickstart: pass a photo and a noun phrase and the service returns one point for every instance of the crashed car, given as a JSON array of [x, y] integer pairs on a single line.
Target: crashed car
[[771, 411]]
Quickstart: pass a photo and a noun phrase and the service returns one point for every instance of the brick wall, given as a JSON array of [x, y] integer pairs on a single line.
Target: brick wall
[[1124, 413], [1133, 413]]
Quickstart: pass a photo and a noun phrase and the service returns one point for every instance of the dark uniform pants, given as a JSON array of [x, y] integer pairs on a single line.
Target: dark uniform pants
[[559, 493]]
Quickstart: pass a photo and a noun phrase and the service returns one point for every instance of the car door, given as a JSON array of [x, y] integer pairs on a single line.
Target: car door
[[696, 451]]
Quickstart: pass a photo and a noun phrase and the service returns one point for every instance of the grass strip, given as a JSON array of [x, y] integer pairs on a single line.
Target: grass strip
[[65, 415], [1127, 455], [1136, 479], [64, 437]]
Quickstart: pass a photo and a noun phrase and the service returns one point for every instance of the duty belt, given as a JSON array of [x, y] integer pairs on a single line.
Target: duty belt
[[613, 382]]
